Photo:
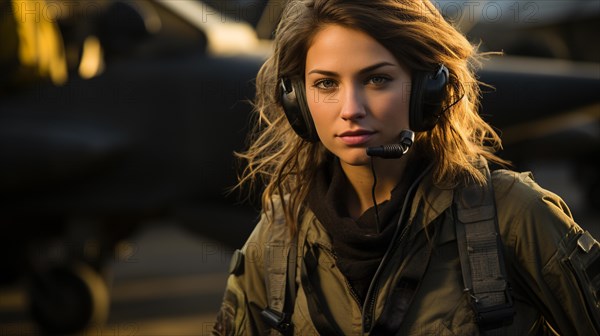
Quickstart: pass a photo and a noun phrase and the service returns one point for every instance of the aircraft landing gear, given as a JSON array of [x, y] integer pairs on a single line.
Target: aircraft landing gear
[[66, 300]]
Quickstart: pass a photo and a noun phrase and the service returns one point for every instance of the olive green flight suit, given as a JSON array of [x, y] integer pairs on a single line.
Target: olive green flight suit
[[552, 268]]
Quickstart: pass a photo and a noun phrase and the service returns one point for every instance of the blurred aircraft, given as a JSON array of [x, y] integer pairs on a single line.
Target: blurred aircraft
[[114, 113], [545, 102]]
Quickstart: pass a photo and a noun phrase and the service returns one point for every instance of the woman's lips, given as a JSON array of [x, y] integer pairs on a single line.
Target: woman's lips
[[355, 138]]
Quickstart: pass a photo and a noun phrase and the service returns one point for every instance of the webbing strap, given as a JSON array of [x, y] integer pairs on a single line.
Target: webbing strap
[[481, 257], [319, 311], [276, 263], [276, 253], [291, 278]]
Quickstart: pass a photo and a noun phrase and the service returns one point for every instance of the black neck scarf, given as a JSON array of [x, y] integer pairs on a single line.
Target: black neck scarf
[[357, 245]]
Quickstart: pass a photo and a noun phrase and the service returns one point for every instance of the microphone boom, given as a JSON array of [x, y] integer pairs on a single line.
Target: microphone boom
[[394, 151]]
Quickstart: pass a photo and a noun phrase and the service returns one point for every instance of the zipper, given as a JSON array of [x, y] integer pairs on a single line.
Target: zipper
[[368, 309], [353, 293]]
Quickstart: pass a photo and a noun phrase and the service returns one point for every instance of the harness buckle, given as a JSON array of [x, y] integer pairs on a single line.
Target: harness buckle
[[277, 320]]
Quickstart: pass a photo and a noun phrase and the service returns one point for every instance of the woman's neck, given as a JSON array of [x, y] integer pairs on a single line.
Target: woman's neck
[[359, 196]]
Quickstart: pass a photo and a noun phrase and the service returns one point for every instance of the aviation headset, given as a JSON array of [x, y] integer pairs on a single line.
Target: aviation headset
[[426, 97]]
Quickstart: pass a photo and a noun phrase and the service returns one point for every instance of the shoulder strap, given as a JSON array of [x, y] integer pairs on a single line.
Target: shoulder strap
[[481, 254], [280, 267]]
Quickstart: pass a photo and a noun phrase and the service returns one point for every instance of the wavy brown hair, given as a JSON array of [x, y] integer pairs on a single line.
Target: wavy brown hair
[[420, 38]]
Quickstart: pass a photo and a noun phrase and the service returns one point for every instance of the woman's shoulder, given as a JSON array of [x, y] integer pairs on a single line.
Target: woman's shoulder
[[272, 219], [509, 181], [270, 233], [529, 216], [520, 191]]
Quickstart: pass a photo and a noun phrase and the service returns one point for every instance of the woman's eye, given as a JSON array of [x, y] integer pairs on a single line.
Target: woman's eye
[[325, 84], [378, 80]]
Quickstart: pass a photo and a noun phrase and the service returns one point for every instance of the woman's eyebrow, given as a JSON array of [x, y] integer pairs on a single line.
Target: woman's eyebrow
[[362, 71], [375, 67]]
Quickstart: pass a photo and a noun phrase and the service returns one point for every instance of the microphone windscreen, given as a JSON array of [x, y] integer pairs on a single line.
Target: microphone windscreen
[[387, 152]]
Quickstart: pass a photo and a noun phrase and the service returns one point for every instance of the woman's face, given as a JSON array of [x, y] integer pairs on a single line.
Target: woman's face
[[357, 93]]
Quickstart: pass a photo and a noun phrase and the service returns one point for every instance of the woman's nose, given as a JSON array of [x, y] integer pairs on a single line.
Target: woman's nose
[[353, 105]]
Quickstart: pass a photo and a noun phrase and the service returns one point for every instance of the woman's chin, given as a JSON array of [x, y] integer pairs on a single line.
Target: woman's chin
[[355, 157]]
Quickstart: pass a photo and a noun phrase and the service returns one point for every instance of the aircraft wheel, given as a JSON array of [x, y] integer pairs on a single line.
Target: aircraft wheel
[[66, 300]]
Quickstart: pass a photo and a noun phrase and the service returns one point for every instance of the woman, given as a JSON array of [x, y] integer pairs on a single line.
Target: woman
[[351, 243]]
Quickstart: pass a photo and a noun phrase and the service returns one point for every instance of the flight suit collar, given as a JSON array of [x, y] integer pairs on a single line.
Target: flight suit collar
[[428, 204]]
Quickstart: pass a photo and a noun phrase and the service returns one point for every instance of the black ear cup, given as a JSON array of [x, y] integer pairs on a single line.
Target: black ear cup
[[427, 95], [293, 101]]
